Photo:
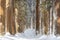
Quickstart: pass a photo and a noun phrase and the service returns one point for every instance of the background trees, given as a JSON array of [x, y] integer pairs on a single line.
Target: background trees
[[37, 14]]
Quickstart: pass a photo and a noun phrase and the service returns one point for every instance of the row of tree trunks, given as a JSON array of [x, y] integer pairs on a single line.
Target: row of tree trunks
[[44, 22], [12, 22], [8, 17]]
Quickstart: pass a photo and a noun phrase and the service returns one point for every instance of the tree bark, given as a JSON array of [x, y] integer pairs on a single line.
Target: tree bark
[[57, 4], [2, 16], [37, 15], [11, 18]]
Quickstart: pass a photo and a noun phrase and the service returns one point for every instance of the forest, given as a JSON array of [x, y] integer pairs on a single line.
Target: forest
[[41, 15]]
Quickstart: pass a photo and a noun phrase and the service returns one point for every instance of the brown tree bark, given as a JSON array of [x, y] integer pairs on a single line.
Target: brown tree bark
[[37, 15], [2, 16], [57, 6], [11, 18], [13, 29]]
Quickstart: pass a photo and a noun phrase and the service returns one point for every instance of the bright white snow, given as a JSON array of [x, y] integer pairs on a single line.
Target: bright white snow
[[28, 34]]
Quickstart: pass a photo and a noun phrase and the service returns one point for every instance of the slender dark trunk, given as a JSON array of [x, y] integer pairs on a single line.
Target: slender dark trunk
[[37, 15]]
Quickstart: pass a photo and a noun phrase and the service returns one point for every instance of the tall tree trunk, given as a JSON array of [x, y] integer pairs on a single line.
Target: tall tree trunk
[[13, 29], [2, 16], [11, 17], [37, 15], [58, 16]]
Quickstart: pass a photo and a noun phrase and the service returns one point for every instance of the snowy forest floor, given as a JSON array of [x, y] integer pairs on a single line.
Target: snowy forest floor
[[28, 34]]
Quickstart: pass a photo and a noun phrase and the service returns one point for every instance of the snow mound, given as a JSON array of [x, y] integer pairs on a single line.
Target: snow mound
[[51, 37], [30, 33], [58, 38], [7, 34]]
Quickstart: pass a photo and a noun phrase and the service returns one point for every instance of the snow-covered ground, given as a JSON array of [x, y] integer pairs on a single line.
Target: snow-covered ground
[[28, 35]]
